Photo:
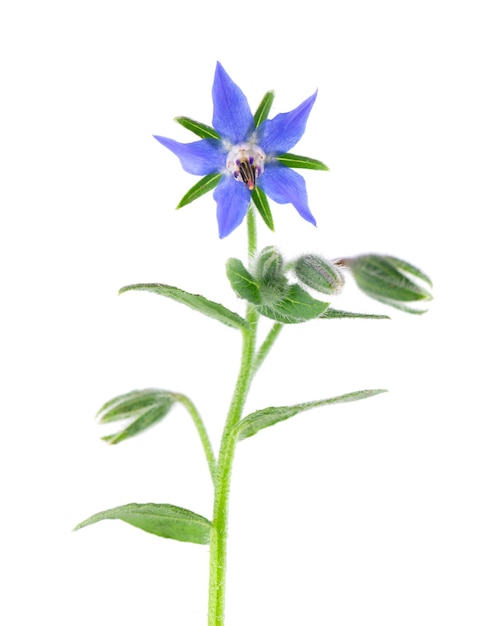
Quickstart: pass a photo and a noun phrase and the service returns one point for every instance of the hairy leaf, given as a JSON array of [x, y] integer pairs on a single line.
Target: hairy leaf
[[242, 281], [255, 422], [295, 307], [164, 520], [336, 314], [197, 302]]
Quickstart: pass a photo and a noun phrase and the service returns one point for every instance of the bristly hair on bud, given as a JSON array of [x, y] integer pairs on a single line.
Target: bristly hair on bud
[[319, 274]]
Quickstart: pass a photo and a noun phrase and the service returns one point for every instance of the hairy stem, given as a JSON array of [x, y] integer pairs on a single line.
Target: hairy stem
[[266, 346], [218, 541], [204, 437]]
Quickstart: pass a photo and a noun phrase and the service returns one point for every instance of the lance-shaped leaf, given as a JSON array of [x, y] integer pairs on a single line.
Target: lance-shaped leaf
[[197, 302], [263, 108], [208, 183], [145, 407], [264, 418], [164, 520], [294, 160], [331, 314], [295, 307], [201, 130]]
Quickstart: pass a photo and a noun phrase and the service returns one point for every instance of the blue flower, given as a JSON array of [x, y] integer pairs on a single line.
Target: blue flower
[[239, 155]]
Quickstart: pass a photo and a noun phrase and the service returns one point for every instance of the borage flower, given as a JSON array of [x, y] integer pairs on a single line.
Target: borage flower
[[245, 158]]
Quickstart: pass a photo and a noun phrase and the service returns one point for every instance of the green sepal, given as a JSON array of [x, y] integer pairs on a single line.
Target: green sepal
[[208, 183], [242, 281], [129, 404], [264, 418], [164, 520], [294, 160], [389, 280], [198, 303], [202, 130], [337, 314], [404, 266], [146, 407], [260, 200], [295, 307], [399, 306], [264, 108]]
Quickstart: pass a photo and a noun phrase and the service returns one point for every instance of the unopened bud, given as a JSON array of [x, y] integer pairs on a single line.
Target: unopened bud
[[319, 274], [269, 266], [269, 273], [389, 280]]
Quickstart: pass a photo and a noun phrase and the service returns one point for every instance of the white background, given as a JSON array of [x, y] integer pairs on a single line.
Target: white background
[[368, 513]]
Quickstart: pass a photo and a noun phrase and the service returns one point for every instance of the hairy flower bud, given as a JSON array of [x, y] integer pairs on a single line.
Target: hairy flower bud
[[269, 273], [389, 280], [319, 274], [269, 266]]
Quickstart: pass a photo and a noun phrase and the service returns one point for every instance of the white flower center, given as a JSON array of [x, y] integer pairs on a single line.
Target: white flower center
[[246, 161]]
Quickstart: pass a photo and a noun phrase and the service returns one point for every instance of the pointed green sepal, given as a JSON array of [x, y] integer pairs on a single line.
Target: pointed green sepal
[[294, 160], [198, 303], [145, 407], [390, 280], [331, 314], [255, 422], [164, 520], [295, 307], [202, 130], [208, 183], [242, 281], [264, 108], [260, 200]]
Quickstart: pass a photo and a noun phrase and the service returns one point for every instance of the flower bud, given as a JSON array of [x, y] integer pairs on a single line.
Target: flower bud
[[389, 280], [269, 273], [319, 274], [269, 266]]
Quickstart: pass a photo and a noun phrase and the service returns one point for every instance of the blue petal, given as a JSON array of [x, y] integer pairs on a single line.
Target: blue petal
[[233, 199], [232, 117], [283, 185], [199, 157], [279, 135]]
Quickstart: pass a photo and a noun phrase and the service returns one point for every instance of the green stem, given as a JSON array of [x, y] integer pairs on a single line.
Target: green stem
[[266, 346], [204, 437], [218, 540]]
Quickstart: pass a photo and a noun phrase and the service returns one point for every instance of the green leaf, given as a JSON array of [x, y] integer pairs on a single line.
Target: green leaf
[[208, 183], [336, 314], [196, 302], [264, 108], [164, 520], [242, 281], [294, 160], [297, 306], [264, 418], [202, 130], [260, 200]]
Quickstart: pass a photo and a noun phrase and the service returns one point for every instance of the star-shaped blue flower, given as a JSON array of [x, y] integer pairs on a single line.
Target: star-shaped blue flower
[[244, 155]]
